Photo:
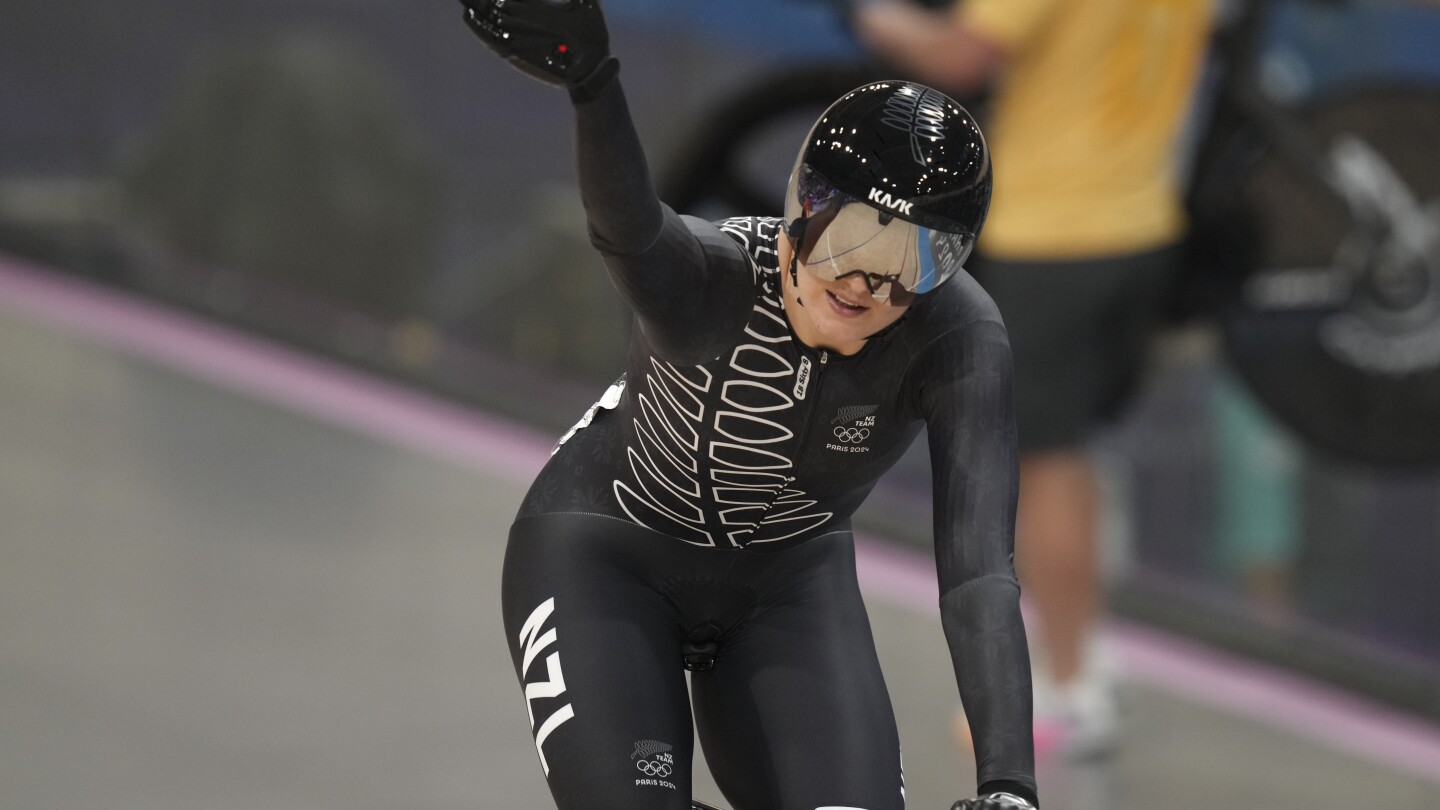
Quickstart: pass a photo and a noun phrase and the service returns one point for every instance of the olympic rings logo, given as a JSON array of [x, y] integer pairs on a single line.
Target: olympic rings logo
[[852, 435], [654, 768]]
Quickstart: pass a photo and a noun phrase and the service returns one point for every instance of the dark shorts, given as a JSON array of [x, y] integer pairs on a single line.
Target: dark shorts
[[792, 713], [1080, 333]]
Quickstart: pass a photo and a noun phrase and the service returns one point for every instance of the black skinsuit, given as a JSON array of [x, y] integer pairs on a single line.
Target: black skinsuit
[[700, 514]]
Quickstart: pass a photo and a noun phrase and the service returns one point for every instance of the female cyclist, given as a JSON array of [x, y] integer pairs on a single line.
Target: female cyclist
[[697, 517]]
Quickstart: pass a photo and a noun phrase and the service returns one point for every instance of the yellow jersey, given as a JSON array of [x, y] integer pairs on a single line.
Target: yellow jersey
[[1084, 124]]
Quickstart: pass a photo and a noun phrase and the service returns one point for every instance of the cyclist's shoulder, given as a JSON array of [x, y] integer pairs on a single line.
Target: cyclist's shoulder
[[756, 235], [949, 331], [959, 307]]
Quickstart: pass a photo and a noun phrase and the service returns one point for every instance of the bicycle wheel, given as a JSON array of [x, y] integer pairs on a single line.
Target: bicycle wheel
[[739, 158], [1337, 329]]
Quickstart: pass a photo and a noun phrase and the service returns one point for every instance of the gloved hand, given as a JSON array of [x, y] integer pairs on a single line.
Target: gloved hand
[[559, 42], [994, 801]]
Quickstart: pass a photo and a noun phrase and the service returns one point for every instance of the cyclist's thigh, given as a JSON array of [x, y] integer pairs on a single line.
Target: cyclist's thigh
[[795, 714], [598, 659]]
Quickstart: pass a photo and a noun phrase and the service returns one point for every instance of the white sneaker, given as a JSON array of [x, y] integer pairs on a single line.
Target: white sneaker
[[1077, 724], [1077, 721]]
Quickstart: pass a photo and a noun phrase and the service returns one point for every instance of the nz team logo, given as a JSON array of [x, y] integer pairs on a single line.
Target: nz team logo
[[654, 760], [851, 427]]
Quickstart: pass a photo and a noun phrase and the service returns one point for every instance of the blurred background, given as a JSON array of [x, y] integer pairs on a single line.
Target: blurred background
[[360, 183]]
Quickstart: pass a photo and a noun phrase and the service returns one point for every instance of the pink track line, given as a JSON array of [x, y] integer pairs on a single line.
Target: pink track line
[[234, 360], [1321, 714], [439, 428]]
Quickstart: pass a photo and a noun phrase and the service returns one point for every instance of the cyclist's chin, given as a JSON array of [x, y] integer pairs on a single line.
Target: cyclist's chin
[[839, 315], [844, 327]]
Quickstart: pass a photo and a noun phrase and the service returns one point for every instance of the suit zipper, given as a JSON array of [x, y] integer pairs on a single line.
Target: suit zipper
[[814, 396], [810, 414]]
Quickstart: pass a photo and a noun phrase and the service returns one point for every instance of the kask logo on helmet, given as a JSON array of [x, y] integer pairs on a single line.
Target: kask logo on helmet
[[893, 203]]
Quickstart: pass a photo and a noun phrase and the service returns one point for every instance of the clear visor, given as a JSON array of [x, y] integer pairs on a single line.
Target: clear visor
[[843, 236]]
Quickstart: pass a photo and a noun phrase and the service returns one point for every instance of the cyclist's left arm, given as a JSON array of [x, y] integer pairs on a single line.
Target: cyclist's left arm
[[965, 394]]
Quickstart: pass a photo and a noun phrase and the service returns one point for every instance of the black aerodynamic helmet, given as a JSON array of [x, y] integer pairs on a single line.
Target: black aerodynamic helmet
[[893, 182]]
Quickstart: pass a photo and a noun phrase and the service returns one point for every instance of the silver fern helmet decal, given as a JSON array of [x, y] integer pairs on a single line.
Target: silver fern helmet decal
[[919, 113]]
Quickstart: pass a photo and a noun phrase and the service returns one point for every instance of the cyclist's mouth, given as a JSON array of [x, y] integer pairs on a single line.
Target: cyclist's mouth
[[844, 308]]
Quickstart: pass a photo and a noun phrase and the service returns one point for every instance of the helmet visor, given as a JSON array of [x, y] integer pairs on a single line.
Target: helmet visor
[[843, 236]]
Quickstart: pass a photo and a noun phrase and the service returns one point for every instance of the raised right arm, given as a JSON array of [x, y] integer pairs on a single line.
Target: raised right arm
[[689, 285]]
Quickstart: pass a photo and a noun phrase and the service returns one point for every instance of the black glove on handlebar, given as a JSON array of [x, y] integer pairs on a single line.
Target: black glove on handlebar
[[559, 42], [994, 801]]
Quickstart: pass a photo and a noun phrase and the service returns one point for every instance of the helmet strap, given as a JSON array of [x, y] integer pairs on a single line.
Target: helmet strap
[[795, 277], [795, 231]]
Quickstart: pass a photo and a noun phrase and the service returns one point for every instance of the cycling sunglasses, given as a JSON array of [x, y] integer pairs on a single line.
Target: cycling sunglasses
[[838, 235]]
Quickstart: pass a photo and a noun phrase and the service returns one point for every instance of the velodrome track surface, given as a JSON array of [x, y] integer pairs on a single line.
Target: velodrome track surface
[[235, 576]]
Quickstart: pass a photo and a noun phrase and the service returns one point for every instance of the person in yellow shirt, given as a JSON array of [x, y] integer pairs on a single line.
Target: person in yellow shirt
[[1089, 99]]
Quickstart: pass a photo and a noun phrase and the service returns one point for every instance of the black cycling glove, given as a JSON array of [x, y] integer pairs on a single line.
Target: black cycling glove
[[994, 801], [559, 42]]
